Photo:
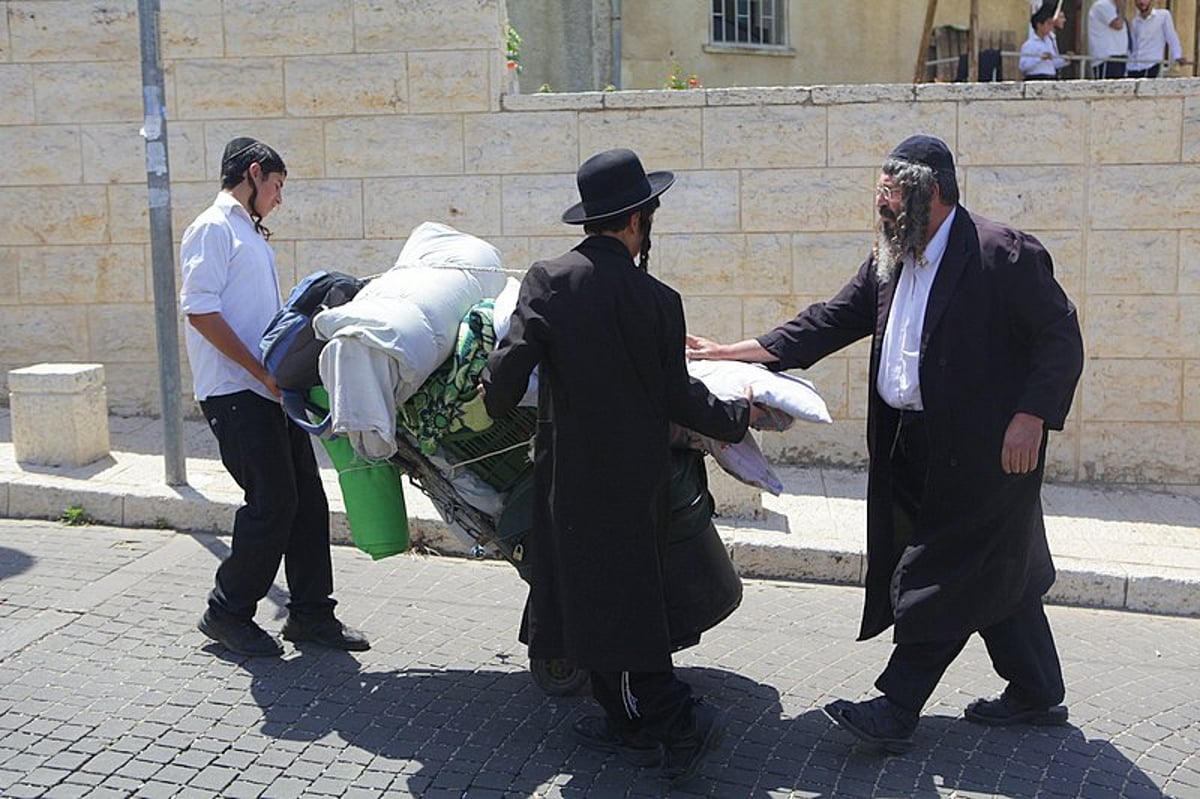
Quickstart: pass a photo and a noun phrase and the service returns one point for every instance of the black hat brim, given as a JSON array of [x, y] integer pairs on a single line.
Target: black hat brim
[[659, 182]]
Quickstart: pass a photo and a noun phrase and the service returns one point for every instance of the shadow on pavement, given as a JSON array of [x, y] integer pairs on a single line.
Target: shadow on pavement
[[458, 731], [14, 562]]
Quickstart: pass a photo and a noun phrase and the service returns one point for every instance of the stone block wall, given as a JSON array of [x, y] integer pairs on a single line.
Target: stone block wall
[[389, 114]]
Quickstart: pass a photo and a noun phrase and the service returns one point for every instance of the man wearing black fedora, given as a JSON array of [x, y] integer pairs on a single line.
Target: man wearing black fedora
[[608, 339], [975, 354]]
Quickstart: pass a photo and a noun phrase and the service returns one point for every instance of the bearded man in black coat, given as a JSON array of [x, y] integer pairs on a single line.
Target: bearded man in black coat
[[975, 354], [608, 342]]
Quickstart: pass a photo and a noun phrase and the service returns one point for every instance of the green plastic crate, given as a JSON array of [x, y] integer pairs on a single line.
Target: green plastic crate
[[502, 449]]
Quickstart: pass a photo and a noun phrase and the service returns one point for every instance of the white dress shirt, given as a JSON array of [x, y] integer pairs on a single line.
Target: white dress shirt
[[1151, 37], [1104, 42], [899, 381], [227, 268], [1040, 56]]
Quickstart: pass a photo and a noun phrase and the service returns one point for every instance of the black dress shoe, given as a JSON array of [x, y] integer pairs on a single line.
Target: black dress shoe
[[685, 754], [879, 722], [239, 635], [1004, 711], [594, 732], [327, 632]]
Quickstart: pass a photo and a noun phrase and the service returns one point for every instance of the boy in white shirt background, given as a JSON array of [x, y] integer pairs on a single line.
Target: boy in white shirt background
[[1040, 59]]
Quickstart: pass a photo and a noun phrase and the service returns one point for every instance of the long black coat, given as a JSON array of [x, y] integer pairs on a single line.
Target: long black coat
[[1000, 336], [608, 340]]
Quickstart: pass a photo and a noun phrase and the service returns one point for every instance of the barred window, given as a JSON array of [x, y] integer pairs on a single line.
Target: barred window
[[748, 22]]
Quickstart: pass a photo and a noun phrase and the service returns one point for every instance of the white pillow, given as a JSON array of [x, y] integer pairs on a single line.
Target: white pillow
[[793, 395]]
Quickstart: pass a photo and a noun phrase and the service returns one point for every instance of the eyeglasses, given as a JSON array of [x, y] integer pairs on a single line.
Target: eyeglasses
[[887, 193]]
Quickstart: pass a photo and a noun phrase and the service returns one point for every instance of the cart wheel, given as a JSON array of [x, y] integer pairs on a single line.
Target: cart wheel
[[557, 677]]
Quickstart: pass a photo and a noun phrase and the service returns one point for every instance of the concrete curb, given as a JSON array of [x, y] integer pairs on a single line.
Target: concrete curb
[[756, 553]]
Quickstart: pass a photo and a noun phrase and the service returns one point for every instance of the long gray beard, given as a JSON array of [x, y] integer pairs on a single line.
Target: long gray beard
[[888, 255]]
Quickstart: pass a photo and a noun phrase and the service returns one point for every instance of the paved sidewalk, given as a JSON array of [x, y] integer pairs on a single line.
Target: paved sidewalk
[[1115, 546], [110, 691]]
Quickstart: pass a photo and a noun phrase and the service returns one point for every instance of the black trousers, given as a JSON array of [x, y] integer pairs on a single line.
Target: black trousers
[[1151, 72], [651, 706], [1108, 70], [286, 515], [1021, 646]]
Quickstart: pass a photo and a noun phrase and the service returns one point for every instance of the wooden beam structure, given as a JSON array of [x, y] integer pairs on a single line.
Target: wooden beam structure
[[923, 44], [973, 44]]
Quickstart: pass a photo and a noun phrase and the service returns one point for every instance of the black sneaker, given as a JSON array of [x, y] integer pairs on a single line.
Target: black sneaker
[[594, 732], [327, 632], [239, 635], [879, 722], [702, 736], [1004, 711]]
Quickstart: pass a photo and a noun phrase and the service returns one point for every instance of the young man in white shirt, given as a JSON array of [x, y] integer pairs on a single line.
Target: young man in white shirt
[[1039, 54], [1108, 38], [1153, 32], [229, 294]]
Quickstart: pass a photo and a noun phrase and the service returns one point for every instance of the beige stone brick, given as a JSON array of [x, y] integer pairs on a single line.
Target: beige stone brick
[[1132, 262], [1151, 135], [968, 92], [1191, 129], [133, 390], [5, 49], [454, 80], [1062, 454], [536, 248], [80, 275], [526, 143], [1191, 391], [16, 94], [42, 155], [842, 443], [877, 93], [662, 138], [397, 205], [1140, 452], [394, 146], [740, 137], [121, 333], [1189, 262], [10, 267], [129, 217], [1037, 132], [327, 209], [554, 101], [655, 98], [53, 215], [728, 264], [1168, 201], [37, 333], [91, 30], [806, 199], [300, 142], [116, 152], [1045, 197], [823, 262], [361, 257], [1132, 390], [700, 202], [1142, 327], [758, 95], [87, 92], [288, 27], [760, 314], [229, 88], [187, 29], [409, 25], [863, 135], [346, 85], [716, 318], [1066, 251], [858, 363], [59, 413], [533, 204]]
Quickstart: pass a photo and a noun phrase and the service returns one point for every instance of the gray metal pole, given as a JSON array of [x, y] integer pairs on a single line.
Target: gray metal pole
[[162, 247]]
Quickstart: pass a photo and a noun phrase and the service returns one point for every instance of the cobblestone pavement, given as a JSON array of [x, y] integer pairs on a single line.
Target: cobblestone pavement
[[109, 690]]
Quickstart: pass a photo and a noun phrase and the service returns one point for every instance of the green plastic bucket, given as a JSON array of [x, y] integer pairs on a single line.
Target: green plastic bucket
[[372, 493]]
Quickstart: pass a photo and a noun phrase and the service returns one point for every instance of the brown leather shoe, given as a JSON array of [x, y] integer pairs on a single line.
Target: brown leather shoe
[[327, 632]]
